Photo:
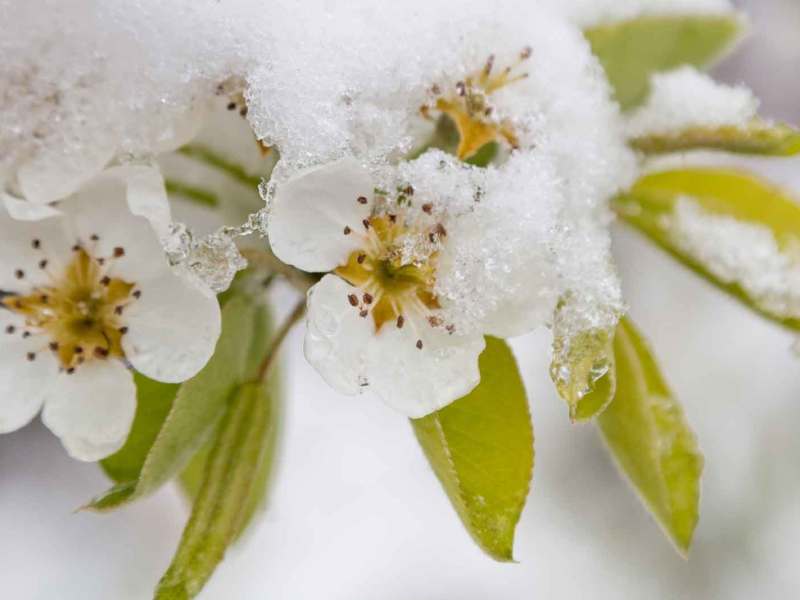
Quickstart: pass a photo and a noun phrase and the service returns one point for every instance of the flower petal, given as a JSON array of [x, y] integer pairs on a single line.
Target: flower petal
[[23, 381], [337, 338], [172, 328], [22, 210], [101, 209], [146, 195], [92, 409], [23, 244], [415, 380], [309, 212]]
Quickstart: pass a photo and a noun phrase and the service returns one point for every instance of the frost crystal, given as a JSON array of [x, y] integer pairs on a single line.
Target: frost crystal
[[741, 253], [593, 12], [213, 259], [686, 98]]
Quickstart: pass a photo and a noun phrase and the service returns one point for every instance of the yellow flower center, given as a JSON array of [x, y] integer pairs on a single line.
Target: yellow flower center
[[395, 269], [79, 311], [470, 108]]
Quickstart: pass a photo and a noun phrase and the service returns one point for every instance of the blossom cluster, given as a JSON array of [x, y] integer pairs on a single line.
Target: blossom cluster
[[452, 185]]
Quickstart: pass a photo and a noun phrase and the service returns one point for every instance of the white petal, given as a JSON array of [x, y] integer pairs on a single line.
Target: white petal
[[18, 251], [337, 338], [92, 409], [309, 212], [146, 195], [56, 171], [101, 208], [415, 381], [172, 328], [23, 210], [23, 382]]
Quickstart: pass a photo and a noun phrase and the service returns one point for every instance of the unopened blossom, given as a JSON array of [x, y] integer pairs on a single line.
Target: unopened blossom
[[376, 319], [85, 294]]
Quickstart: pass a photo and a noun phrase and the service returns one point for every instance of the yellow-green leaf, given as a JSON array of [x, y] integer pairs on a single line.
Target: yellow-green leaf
[[631, 51], [648, 435], [650, 206], [197, 408], [481, 449], [225, 496], [757, 137], [583, 372]]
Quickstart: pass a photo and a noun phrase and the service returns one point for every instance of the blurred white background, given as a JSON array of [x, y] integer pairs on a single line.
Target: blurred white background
[[356, 514]]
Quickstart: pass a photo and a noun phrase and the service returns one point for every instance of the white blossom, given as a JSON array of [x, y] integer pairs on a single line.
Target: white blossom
[[86, 294]]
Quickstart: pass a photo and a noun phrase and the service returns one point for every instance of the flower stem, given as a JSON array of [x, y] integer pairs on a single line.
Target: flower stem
[[269, 360], [213, 159]]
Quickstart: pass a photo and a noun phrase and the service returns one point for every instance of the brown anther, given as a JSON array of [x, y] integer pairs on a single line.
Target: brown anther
[[368, 298], [361, 258], [81, 360], [94, 237], [409, 190], [44, 298], [487, 68], [526, 53], [101, 261], [365, 223], [400, 321], [243, 111], [440, 230], [137, 294], [119, 251], [361, 199], [78, 349], [70, 371], [101, 352], [461, 88], [450, 329], [363, 314], [435, 89], [19, 273], [123, 330], [231, 106], [393, 218], [10, 329], [427, 208], [18, 304], [352, 299], [118, 310], [434, 321], [347, 230], [76, 247], [488, 110], [26, 334], [43, 263], [31, 356], [36, 244], [53, 346], [419, 344], [106, 280]]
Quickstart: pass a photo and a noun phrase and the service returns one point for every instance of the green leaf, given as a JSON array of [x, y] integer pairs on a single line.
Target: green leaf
[[631, 51], [756, 138], [198, 406], [481, 449], [647, 433], [153, 403], [651, 203], [583, 372], [225, 495]]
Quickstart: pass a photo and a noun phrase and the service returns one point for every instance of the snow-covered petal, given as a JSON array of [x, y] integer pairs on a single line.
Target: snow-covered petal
[[172, 328], [309, 213], [418, 381], [337, 339], [146, 195], [23, 382], [55, 172], [92, 409]]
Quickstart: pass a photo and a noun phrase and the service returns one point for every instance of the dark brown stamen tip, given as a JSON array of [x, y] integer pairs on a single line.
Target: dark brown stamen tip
[[19, 273], [365, 223], [26, 334], [393, 218], [36, 244], [409, 190], [31, 356], [231, 105], [427, 208], [101, 352], [101, 261], [137, 294], [361, 199], [419, 344], [10, 329], [123, 330], [400, 321], [361, 258], [526, 53], [44, 298], [352, 299], [53, 346], [43, 263], [347, 230], [118, 310], [94, 237], [70, 371], [363, 313], [76, 247], [78, 349], [368, 298], [105, 280], [119, 251]]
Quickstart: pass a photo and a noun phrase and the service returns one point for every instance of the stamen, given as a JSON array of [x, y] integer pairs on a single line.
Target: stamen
[[400, 321], [101, 352], [363, 314], [368, 298], [70, 371], [43, 263], [427, 208], [365, 223], [137, 294], [26, 334], [419, 344], [352, 299], [347, 230], [31, 356], [123, 330], [119, 252], [526, 53], [361, 258], [94, 237], [19, 273], [36, 244], [105, 280], [361, 199], [53, 346], [10, 329]]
